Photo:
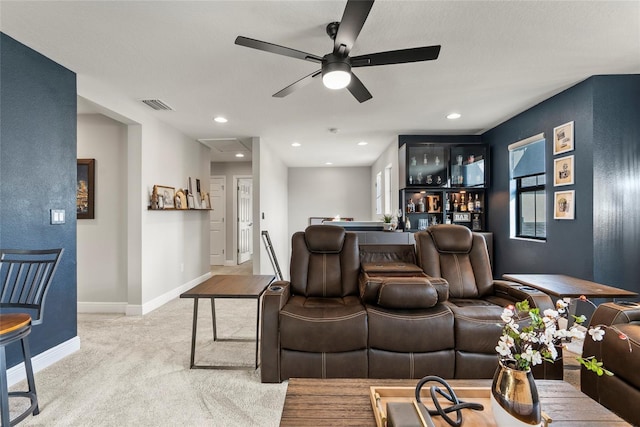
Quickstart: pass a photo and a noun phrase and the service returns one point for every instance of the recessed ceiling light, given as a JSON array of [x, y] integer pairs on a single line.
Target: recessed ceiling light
[[296, 144], [220, 119], [239, 155], [328, 163], [454, 116], [362, 143]]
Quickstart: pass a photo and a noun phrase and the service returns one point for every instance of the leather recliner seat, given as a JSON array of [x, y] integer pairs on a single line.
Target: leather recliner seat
[[620, 392], [321, 325], [460, 256]]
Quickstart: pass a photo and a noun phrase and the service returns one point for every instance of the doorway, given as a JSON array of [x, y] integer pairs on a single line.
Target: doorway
[[217, 229], [244, 209]]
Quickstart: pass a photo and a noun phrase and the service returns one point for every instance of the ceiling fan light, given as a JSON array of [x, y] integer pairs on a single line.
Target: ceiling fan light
[[336, 75]]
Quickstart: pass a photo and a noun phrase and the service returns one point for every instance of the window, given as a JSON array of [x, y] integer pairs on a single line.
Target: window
[[527, 169], [387, 190], [379, 193]]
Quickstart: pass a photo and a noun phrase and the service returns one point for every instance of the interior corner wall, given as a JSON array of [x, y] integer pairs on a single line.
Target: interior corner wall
[[229, 170], [270, 187], [327, 192], [616, 175], [167, 251], [603, 241], [102, 241], [38, 173], [569, 245]]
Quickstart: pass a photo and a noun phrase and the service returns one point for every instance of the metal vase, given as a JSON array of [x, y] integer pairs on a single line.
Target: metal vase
[[514, 397]]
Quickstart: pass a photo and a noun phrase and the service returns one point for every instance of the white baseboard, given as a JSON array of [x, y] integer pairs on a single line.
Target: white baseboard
[[137, 309], [102, 307], [148, 307], [43, 360]]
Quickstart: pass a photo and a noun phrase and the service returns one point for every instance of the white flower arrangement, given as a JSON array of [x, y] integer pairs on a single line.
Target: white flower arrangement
[[538, 342]]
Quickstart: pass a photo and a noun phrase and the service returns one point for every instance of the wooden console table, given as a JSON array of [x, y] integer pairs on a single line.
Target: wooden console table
[[345, 402], [561, 286], [226, 286]]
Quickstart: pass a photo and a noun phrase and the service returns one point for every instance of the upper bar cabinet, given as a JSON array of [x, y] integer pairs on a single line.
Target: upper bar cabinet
[[443, 182]]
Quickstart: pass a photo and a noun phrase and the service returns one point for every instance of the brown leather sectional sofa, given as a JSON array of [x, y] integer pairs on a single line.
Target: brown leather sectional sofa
[[388, 311], [620, 392]]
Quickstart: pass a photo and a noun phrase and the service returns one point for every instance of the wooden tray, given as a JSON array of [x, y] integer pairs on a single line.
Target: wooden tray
[[407, 394]]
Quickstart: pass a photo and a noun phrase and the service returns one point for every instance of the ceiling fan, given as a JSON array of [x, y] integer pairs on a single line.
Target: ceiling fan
[[336, 66]]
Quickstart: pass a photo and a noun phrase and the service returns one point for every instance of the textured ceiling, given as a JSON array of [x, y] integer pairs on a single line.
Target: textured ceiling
[[498, 58]]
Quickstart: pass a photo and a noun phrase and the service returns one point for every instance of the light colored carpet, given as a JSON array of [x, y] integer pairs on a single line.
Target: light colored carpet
[[135, 371]]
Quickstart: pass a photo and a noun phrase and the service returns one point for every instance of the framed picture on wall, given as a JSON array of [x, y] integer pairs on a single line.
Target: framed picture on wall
[[564, 204], [166, 196], [563, 138], [85, 189], [563, 171]]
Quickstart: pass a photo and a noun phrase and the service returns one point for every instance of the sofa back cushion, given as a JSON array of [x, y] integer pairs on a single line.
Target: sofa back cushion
[[458, 255], [324, 262]]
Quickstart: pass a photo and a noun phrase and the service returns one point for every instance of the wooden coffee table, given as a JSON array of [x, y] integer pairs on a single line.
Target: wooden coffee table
[[345, 402], [226, 286]]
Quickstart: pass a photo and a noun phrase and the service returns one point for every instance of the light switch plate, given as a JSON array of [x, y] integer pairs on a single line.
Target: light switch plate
[[57, 216]]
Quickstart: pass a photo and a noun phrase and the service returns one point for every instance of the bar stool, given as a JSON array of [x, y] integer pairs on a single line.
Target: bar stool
[[25, 276]]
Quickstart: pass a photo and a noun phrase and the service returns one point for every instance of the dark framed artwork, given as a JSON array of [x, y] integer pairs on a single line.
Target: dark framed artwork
[[85, 190]]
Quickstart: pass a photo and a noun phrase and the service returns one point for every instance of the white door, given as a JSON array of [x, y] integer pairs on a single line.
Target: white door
[[217, 229], [245, 219]]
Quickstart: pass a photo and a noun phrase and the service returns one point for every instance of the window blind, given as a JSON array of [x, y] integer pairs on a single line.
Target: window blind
[[526, 157]]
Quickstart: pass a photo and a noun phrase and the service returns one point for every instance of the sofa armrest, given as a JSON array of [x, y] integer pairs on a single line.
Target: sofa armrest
[[517, 292], [274, 298], [611, 313]]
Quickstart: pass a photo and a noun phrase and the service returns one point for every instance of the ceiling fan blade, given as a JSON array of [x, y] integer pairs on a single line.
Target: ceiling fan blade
[[355, 14], [358, 90], [274, 48], [401, 56], [297, 85]]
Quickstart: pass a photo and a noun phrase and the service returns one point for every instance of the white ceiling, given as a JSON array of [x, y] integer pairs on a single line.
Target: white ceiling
[[498, 58]]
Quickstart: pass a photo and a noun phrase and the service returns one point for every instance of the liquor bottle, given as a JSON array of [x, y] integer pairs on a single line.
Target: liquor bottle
[[470, 205], [411, 207], [478, 206], [463, 205], [447, 205], [455, 204], [424, 161], [407, 224], [410, 179]]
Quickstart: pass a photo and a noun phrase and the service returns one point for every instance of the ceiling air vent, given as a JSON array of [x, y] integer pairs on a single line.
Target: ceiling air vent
[[157, 104]]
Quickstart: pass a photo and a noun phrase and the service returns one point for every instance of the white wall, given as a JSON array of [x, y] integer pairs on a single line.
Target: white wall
[[102, 242], [167, 252], [229, 170], [389, 156], [327, 192], [270, 189]]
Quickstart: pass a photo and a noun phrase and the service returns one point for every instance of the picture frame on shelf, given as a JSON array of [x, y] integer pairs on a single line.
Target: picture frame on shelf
[[563, 171], [85, 189], [563, 138], [168, 195], [564, 204]]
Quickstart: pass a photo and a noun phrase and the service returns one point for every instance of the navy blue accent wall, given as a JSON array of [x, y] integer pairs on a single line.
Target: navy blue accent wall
[[38, 173], [616, 172], [602, 243]]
